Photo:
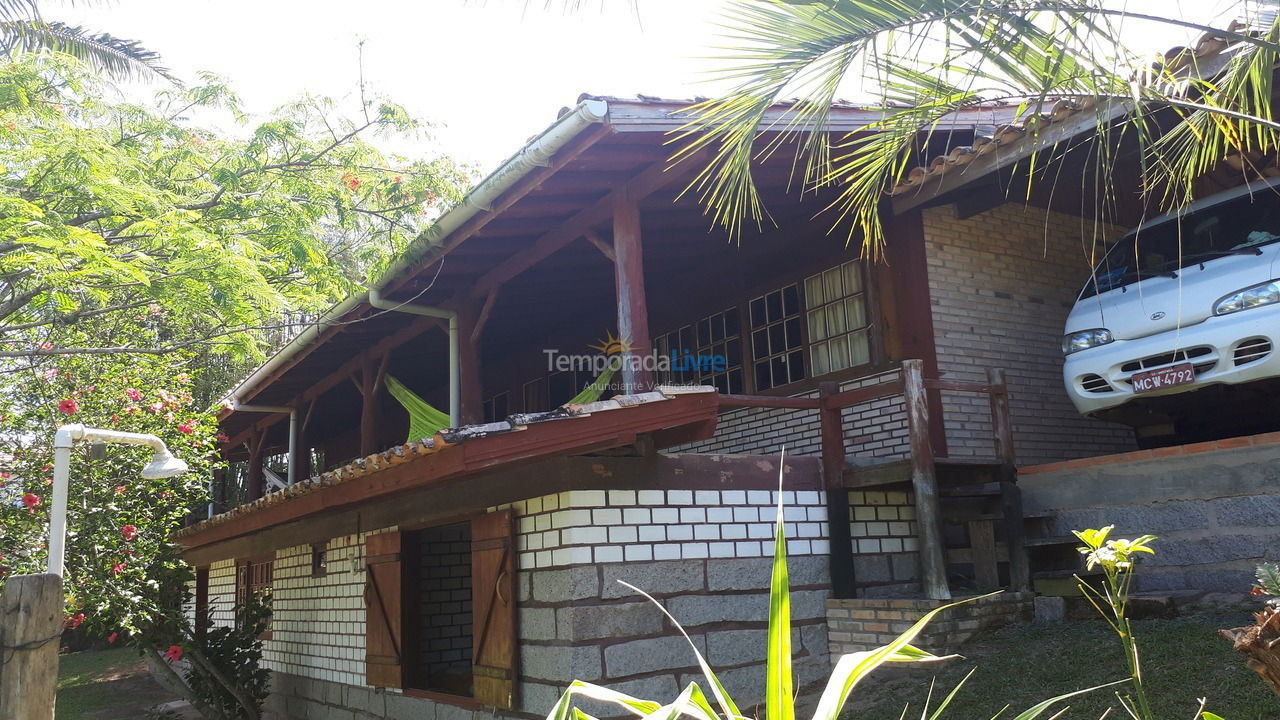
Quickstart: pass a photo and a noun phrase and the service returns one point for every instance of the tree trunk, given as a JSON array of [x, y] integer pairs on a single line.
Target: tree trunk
[[1260, 644]]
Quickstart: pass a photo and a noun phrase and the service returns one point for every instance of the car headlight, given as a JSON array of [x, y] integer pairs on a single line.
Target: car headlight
[[1085, 339], [1268, 293]]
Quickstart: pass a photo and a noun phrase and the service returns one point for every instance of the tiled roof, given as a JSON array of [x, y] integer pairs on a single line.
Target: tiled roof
[[440, 443], [1028, 129]]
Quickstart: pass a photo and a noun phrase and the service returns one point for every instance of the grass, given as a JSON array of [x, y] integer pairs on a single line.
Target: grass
[[104, 685], [1183, 659]]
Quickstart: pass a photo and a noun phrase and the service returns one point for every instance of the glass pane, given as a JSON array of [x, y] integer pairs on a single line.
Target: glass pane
[[686, 338], [777, 338], [852, 278], [733, 353], [779, 366], [717, 327], [839, 354], [661, 345], [835, 320], [791, 299], [731, 328], [831, 284], [813, 295], [760, 344], [721, 382], [704, 332], [856, 311], [821, 364], [735, 381], [795, 361], [757, 312], [859, 348], [817, 325], [793, 333], [762, 376], [773, 305]]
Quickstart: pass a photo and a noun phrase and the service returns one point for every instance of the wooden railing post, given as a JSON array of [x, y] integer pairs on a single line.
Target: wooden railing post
[[924, 483], [1010, 494], [832, 431], [30, 628]]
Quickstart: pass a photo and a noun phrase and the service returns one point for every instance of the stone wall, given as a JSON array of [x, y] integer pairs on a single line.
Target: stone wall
[[1001, 285], [1215, 507], [865, 624]]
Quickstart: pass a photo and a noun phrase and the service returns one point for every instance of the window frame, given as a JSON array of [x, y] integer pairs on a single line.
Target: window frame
[[244, 567]]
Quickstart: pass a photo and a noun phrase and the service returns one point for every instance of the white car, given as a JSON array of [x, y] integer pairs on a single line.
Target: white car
[[1186, 302]]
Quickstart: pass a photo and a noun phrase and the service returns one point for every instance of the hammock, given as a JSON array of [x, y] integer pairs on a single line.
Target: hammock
[[424, 420], [592, 392]]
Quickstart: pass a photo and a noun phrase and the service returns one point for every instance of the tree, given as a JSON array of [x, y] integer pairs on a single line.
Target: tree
[[923, 61], [114, 211], [23, 30]]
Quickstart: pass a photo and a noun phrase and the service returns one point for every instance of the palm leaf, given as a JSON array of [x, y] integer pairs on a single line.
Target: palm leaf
[[116, 57]]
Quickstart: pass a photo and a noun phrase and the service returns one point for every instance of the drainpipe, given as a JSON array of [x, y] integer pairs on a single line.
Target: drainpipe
[[237, 406], [455, 377]]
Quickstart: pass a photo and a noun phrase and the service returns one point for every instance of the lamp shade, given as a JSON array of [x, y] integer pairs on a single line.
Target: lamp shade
[[163, 465]]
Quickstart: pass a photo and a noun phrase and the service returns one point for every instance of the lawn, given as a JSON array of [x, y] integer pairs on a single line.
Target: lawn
[[1183, 659], [105, 685]]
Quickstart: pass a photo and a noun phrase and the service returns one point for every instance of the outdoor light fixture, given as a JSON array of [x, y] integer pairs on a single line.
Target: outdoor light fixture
[[163, 465]]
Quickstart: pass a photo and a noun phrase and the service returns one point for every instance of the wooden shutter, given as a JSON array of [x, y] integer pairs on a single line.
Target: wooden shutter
[[493, 605], [383, 628]]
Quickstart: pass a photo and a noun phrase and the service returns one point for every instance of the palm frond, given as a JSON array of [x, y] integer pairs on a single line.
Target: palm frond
[[115, 57], [11, 10]]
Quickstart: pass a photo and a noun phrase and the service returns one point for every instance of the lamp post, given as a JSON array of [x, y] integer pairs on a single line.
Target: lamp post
[[163, 464]]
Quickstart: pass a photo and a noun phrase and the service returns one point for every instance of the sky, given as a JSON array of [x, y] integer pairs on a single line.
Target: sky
[[487, 73]]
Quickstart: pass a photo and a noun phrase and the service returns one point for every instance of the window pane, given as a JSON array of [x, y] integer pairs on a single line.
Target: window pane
[[793, 333], [686, 338], [859, 348], [817, 325], [717, 328], [856, 311], [721, 382], [760, 344], [762, 376], [731, 328], [777, 338], [779, 366], [852, 278], [836, 320], [773, 305], [733, 353], [704, 332], [839, 354], [821, 364], [757, 312], [735, 381], [813, 295], [791, 299], [831, 283], [795, 361]]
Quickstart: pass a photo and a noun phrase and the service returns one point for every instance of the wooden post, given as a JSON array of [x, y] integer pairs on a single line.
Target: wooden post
[[924, 483], [31, 618], [371, 371], [832, 430], [255, 483], [469, 333], [1010, 494], [633, 316]]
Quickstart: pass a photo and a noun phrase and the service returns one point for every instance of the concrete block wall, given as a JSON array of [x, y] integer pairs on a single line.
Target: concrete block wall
[[1215, 507], [444, 600], [857, 625], [1002, 283]]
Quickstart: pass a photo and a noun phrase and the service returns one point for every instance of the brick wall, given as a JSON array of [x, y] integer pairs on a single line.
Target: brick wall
[[1002, 283], [857, 625], [886, 555], [444, 600]]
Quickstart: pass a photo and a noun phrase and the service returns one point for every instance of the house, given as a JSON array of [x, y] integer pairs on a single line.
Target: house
[[480, 570]]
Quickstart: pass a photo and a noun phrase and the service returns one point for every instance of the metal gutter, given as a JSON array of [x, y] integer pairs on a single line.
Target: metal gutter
[[536, 153]]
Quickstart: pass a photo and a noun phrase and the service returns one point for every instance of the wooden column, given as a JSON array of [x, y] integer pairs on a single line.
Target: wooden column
[[31, 618], [924, 483], [470, 330], [255, 482], [833, 458], [633, 316], [371, 371], [1010, 494]]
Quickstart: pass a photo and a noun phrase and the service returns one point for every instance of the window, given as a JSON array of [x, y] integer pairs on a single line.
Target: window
[[556, 389], [706, 353], [319, 560], [253, 578], [777, 351], [836, 312], [440, 610], [202, 601], [497, 407]]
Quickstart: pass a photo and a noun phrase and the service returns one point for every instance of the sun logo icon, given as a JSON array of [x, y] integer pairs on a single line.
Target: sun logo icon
[[613, 345]]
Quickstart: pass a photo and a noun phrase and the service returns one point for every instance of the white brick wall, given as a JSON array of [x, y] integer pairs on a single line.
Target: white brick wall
[[882, 522]]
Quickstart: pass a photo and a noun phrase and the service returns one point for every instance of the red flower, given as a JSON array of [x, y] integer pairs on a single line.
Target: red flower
[[130, 532], [46, 345], [133, 394], [187, 427], [173, 654], [69, 406], [120, 489], [115, 419], [398, 180], [74, 622], [117, 568], [222, 438], [31, 500], [111, 639]]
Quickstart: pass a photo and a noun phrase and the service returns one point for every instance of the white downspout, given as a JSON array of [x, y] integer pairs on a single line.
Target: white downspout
[[455, 374], [238, 406]]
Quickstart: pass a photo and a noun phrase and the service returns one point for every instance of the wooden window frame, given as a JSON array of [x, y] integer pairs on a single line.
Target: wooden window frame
[[201, 602], [245, 566], [701, 347]]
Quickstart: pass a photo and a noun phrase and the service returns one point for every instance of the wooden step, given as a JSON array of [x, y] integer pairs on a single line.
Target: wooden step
[[976, 490], [950, 472], [1051, 541]]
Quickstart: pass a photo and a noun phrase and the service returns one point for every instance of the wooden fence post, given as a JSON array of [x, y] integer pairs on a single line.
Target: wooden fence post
[[841, 543], [31, 618], [1010, 494], [924, 483]]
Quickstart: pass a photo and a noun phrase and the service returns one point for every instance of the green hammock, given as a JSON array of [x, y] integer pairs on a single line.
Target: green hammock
[[424, 420], [592, 392]]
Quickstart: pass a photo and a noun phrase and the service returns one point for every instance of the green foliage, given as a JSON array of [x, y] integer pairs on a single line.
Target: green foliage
[[235, 654], [1268, 575]]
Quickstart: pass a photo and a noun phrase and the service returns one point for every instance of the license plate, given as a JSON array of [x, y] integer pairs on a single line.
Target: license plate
[[1173, 376]]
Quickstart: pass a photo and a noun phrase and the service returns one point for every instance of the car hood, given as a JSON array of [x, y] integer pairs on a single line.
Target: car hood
[[1161, 304]]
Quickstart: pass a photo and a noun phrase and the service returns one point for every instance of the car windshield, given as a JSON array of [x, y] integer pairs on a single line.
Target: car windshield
[[1236, 226]]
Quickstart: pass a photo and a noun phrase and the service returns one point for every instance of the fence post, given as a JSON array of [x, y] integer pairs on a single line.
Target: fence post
[[30, 628], [1010, 494], [924, 483], [831, 426]]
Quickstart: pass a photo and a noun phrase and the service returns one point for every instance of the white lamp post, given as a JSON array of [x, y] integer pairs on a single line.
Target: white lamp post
[[163, 464]]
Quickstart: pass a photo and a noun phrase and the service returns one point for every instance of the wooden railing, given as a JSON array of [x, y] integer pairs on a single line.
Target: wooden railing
[[915, 389]]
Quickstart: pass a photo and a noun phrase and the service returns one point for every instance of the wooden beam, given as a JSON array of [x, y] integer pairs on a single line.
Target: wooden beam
[[633, 311], [653, 178], [371, 372], [483, 319], [1010, 493], [831, 427], [602, 245], [924, 483], [472, 407]]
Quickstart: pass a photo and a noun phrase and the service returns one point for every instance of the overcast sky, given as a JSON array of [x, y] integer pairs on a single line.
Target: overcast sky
[[491, 73]]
